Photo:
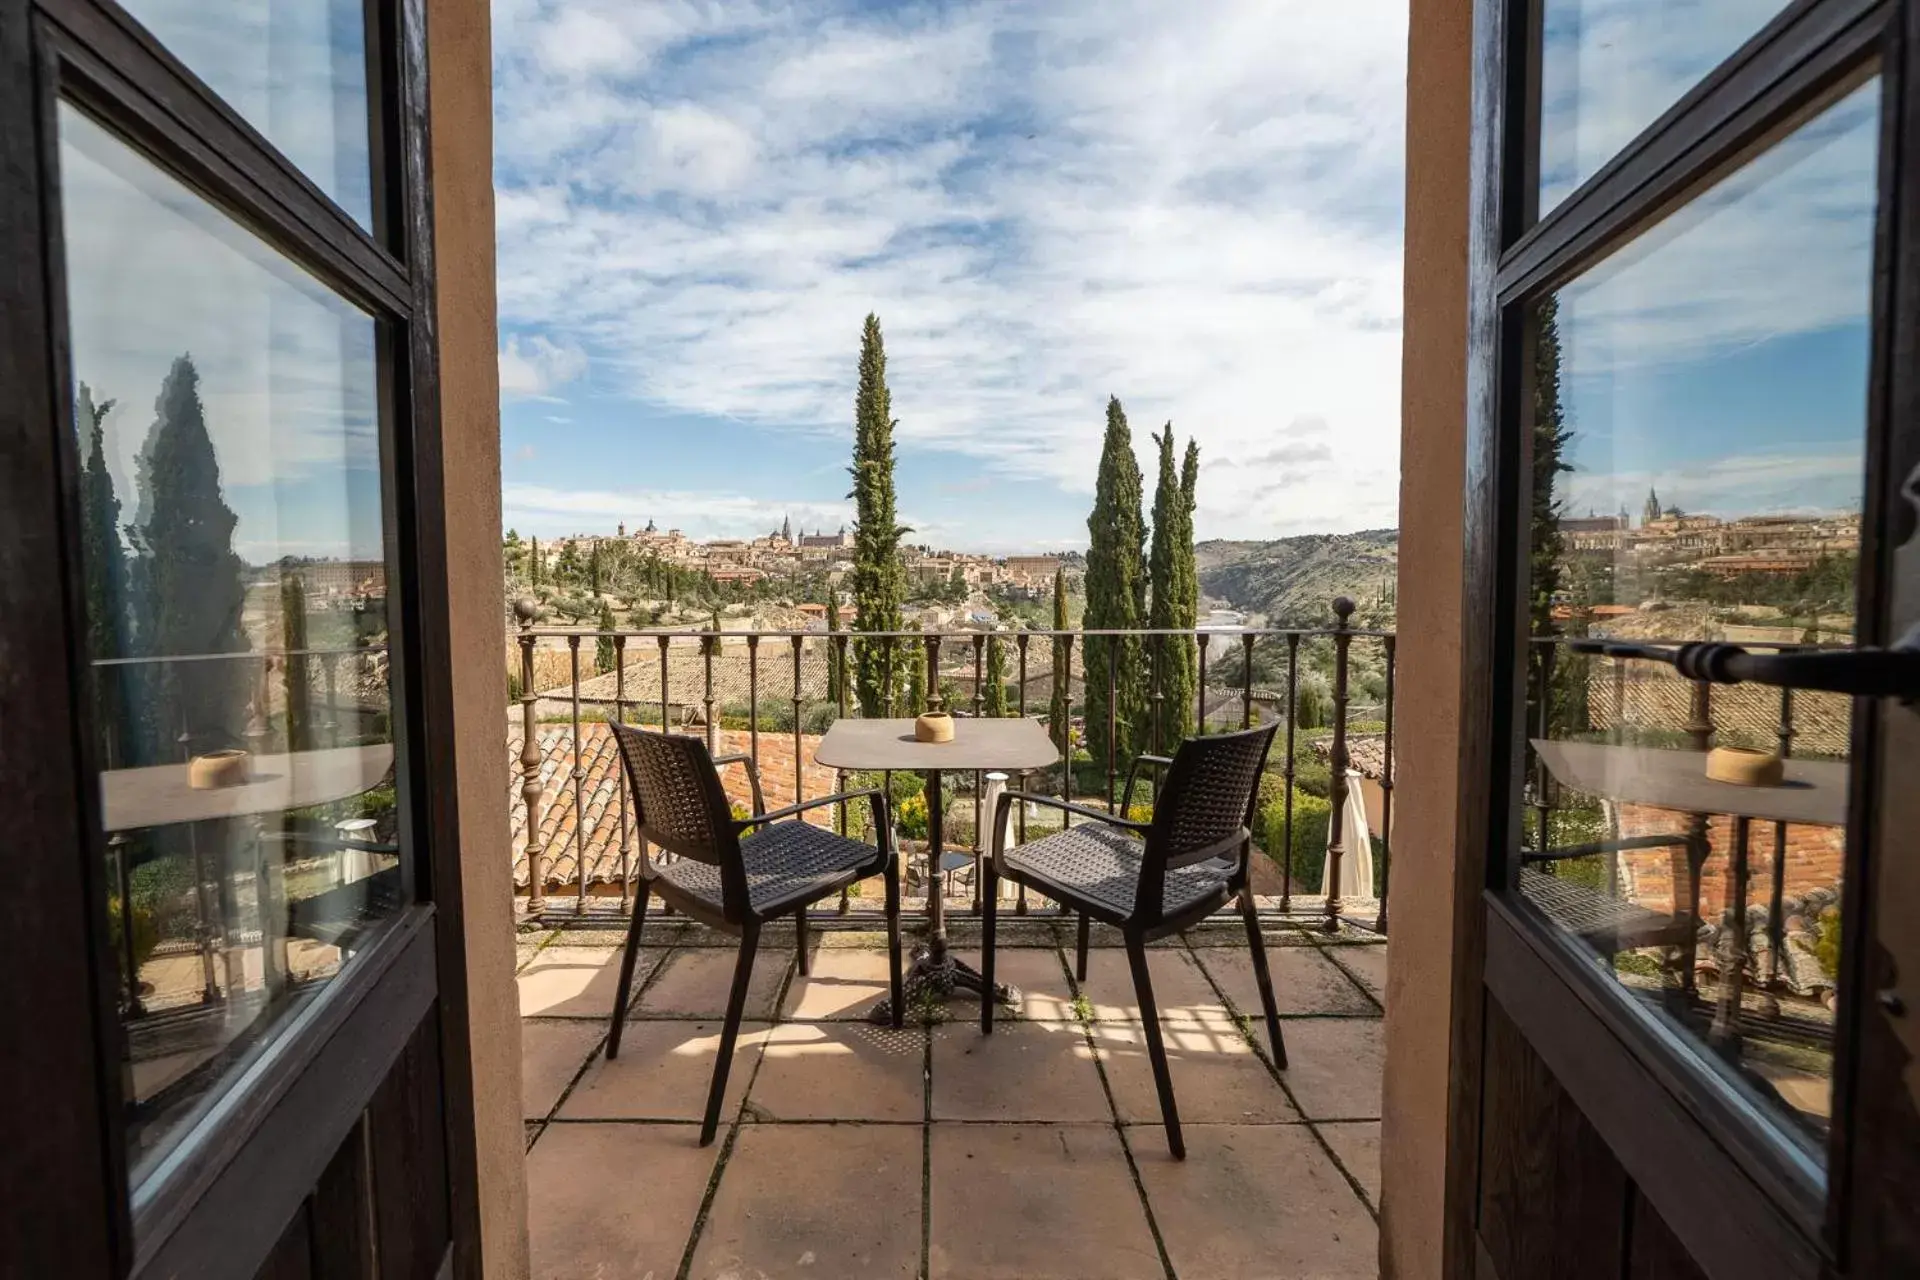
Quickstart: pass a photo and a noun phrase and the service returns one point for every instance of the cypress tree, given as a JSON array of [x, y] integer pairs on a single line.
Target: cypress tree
[[603, 655], [1174, 605], [593, 570], [993, 700], [833, 651], [533, 563], [879, 579], [188, 582], [1116, 597], [1060, 712]]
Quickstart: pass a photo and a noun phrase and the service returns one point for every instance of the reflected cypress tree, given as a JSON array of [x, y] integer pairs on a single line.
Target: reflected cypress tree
[[104, 565], [833, 653], [293, 628], [1554, 676], [186, 581]]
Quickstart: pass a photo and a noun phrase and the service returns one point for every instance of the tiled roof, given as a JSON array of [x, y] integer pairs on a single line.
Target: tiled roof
[[1366, 752], [597, 813]]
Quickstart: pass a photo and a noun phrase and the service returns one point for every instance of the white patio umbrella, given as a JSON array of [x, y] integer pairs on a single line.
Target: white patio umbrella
[[1356, 858]]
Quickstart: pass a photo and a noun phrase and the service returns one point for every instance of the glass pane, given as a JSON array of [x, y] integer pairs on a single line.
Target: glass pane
[[236, 571], [1698, 417], [295, 72], [1610, 68]]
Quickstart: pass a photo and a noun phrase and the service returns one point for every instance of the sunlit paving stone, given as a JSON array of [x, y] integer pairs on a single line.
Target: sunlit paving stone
[[1257, 1200], [1025, 1070], [1035, 1202], [575, 981], [1180, 989], [1216, 1076], [841, 1071], [551, 1055], [581, 1227], [663, 1072], [816, 1200]]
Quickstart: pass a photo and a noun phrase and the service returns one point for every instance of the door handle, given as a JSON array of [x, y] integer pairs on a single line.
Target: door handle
[[1860, 673]]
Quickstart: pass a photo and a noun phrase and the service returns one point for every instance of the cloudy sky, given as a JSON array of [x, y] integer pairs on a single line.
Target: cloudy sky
[[1194, 207]]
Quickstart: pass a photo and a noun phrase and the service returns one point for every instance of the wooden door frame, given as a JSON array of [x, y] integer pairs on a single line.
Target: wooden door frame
[[265, 1146], [1737, 1206]]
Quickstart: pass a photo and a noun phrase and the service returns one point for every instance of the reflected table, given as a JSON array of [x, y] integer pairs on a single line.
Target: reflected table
[[1811, 792], [1011, 746]]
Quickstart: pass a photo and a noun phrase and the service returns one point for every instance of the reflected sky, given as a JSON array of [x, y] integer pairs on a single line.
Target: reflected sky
[[287, 368], [1722, 357], [1610, 68], [296, 71]]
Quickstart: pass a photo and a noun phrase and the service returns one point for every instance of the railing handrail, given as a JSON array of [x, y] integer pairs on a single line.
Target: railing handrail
[[955, 633]]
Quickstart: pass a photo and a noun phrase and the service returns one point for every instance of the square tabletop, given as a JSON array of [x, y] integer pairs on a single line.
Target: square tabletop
[[1014, 745], [1813, 791]]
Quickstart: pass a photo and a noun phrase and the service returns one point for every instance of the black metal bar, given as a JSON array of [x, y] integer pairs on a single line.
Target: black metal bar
[[753, 701], [1543, 729], [1286, 826], [531, 792], [979, 709], [1246, 679], [579, 776], [1776, 898], [1336, 845], [1694, 857], [709, 650], [1113, 715], [1065, 679], [1725, 1031], [1154, 694], [1386, 794], [1020, 642], [620, 775], [1200, 638], [837, 655]]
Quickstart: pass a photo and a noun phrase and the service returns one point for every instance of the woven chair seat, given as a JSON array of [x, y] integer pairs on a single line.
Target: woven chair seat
[[787, 862], [1100, 865], [1599, 919]]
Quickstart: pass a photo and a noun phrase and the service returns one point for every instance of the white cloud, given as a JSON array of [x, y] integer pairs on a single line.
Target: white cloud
[[1193, 207], [699, 514], [537, 366]]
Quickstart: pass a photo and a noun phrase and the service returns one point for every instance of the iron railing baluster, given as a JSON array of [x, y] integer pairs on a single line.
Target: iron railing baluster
[[1336, 848]]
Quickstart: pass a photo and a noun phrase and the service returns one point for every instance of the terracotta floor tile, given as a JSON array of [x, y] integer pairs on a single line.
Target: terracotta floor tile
[[696, 981], [663, 1073], [551, 1054], [585, 1219], [844, 984], [1334, 1066], [1357, 1146], [1304, 981], [841, 1071], [840, 1200], [1180, 989], [576, 981], [1036, 1202], [1025, 1070], [1216, 1077], [1256, 1200]]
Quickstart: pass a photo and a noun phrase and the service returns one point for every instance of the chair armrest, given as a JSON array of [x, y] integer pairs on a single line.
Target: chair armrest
[[1066, 806], [1531, 856], [753, 776], [1133, 772], [873, 794]]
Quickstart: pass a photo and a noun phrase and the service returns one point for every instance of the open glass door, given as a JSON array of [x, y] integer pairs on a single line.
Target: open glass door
[[1690, 286], [228, 349]]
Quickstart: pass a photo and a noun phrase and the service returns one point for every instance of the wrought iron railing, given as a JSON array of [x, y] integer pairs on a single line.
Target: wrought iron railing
[[745, 690]]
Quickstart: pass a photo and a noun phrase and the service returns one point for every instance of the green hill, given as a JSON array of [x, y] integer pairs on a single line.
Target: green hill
[[1293, 581]]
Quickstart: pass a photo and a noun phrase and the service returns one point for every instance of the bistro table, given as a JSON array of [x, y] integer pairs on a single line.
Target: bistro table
[[1812, 792], [1013, 746]]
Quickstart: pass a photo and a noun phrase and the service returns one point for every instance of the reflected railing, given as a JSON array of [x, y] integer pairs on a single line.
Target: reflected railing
[[1717, 903], [768, 696]]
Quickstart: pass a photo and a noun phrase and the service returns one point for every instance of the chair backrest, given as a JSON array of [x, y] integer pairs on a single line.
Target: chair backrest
[[1204, 808], [680, 804]]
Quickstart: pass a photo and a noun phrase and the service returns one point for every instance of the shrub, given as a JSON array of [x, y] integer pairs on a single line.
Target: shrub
[[146, 932], [1307, 853], [910, 816]]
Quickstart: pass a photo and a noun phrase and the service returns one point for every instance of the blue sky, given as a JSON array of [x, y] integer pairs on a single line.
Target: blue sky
[[1193, 207]]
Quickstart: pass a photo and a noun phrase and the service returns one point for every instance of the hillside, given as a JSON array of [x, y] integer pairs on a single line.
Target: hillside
[[1293, 581]]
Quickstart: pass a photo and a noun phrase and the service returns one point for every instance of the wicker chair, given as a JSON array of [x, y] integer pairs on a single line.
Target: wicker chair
[[1150, 879], [735, 881]]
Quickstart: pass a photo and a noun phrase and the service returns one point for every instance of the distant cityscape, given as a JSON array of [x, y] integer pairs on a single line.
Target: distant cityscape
[[1776, 545]]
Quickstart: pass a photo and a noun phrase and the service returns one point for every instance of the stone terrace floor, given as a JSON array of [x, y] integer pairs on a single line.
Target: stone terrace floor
[[850, 1150]]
